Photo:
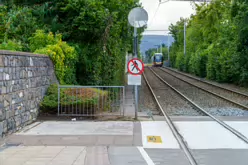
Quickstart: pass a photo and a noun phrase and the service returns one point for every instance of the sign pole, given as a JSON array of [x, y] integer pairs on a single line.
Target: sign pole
[[137, 18], [135, 87]]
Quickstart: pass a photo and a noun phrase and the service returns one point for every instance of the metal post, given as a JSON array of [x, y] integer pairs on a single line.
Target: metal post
[[136, 87], [124, 101], [58, 98], [161, 47], [184, 37], [168, 43]]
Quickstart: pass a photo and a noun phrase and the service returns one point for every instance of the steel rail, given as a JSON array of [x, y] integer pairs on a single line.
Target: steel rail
[[215, 94], [209, 83], [173, 128], [232, 130]]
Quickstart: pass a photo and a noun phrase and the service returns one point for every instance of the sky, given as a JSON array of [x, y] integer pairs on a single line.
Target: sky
[[167, 13]]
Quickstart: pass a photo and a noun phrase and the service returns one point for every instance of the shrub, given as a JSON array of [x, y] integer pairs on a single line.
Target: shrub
[[63, 56], [17, 23], [197, 63], [11, 45], [83, 97], [180, 61], [40, 40]]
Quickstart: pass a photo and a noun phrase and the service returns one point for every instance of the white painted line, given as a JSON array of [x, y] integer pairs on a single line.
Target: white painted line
[[145, 156], [158, 128]]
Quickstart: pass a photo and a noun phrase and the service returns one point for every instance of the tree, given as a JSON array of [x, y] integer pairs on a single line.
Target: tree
[[216, 42], [97, 29]]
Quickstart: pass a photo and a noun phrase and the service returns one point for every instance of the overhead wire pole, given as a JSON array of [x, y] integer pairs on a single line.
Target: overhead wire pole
[[161, 47], [168, 47], [157, 47], [184, 37]]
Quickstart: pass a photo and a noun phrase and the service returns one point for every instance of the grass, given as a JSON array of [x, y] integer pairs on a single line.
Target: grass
[[148, 64]]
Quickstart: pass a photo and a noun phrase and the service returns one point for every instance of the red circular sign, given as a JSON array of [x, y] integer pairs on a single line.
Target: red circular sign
[[135, 66]]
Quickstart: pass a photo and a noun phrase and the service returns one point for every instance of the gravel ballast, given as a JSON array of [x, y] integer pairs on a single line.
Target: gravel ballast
[[210, 103], [170, 101]]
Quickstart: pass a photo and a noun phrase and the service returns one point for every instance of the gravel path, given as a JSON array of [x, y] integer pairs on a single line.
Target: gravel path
[[230, 95], [170, 101], [212, 104]]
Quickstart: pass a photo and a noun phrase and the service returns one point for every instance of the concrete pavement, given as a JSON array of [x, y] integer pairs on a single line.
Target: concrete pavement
[[121, 143]]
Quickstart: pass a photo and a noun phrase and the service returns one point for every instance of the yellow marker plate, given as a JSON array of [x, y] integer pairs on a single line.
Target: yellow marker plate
[[154, 139]]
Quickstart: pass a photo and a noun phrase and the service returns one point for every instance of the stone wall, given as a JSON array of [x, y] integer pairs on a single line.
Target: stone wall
[[24, 79]]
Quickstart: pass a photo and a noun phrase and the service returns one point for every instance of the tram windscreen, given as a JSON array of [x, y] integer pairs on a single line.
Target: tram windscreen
[[158, 58]]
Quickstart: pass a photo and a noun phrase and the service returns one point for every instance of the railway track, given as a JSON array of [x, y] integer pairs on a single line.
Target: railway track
[[214, 104], [174, 130], [235, 97], [172, 102]]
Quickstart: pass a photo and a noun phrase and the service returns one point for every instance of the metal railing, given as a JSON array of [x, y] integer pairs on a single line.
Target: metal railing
[[91, 100]]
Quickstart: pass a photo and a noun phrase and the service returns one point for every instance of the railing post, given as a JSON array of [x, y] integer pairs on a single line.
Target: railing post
[[123, 102], [58, 98]]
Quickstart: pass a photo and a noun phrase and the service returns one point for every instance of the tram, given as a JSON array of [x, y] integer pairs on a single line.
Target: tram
[[158, 59]]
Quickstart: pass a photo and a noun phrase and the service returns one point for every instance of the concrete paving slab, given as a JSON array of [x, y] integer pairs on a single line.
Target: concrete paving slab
[[123, 140], [137, 134], [161, 129], [81, 158], [167, 156], [81, 128], [85, 140], [105, 140], [221, 156], [240, 126], [45, 155], [97, 155], [66, 156], [208, 135], [125, 155], [205, 118]]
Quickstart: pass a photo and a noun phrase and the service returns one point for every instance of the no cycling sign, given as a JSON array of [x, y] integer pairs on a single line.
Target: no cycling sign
[[135, 66]]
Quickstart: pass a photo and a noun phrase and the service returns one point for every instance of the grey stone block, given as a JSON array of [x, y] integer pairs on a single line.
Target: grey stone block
[[1, 129], [5, 128], [3, 90], [2, 114], [10, 114], [1, 76], [18, 120], [11, 126], [8, 97], [2, 60], [6, 103]]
